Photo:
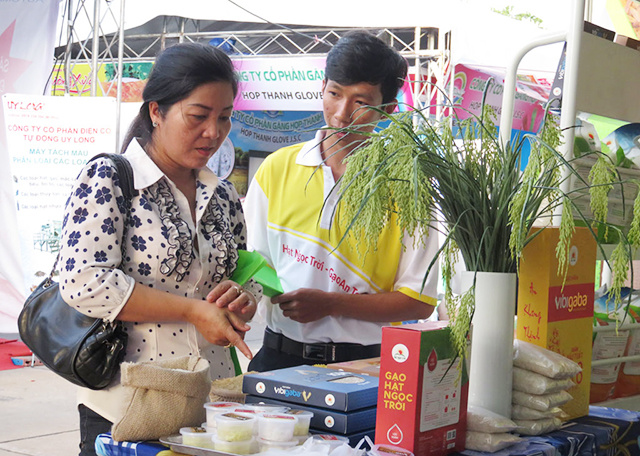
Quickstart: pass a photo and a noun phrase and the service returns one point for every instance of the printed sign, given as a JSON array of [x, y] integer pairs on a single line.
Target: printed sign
[[50, 139]]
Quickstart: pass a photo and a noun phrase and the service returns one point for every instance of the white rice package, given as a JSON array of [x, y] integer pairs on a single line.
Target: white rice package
[[482, 420], [533, 383], [541, 402], [537, 427], [545, 362], [480, 441], [520, 412]]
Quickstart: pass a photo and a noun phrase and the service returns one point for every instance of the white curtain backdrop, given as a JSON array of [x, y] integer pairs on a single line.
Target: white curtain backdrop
[[27, 38]]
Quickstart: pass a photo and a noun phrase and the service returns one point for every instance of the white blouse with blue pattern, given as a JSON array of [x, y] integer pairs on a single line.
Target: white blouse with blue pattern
[[159, 252]]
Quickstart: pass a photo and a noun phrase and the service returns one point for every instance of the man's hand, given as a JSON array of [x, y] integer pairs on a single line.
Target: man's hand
[[305, 305]]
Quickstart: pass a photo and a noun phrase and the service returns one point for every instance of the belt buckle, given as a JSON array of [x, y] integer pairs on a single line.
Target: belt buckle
[[319, 352]]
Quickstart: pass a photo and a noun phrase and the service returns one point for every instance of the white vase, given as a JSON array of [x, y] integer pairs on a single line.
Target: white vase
[[491, 360]]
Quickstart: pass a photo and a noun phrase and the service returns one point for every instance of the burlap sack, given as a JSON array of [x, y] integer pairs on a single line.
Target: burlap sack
[[164, 396]]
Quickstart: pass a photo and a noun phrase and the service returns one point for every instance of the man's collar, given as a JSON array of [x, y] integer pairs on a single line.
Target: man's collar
[[311, 152]]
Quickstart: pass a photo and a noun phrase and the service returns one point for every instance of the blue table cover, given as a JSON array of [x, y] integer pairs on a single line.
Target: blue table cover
[[604, 432]]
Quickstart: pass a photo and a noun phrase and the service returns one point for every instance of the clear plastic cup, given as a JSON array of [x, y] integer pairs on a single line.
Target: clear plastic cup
[[304, 420], [276, 427], [236, 447], [248, 411], [210, 429], [197, 436], [261, 407], [234, 427], [384, 449], [302, 438], [266, 445], [330, 439], [215, 408]]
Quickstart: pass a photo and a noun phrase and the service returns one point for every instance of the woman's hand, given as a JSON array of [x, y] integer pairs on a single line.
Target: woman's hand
[[220, 326], [235, 298]]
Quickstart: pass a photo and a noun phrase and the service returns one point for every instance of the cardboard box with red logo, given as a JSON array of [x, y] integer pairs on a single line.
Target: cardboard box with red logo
[[556, 312], [422, 396]]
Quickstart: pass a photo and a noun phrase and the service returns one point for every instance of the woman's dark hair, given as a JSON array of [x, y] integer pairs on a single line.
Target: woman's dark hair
[[360, 56], [177, 71]]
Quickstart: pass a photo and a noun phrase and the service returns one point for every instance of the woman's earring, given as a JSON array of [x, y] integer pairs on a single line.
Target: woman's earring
[[154, 123]]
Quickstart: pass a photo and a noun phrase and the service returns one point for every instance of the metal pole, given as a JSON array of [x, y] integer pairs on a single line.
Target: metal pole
[[569, 95], [119, 76], [67, 52], [508, 96], [95, 48], [417, 73]]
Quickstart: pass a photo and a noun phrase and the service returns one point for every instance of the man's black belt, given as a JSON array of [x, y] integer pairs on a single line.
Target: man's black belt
[[319, 352]]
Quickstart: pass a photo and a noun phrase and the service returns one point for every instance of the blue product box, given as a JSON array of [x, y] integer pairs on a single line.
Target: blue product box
[[315, 386], [332, 421]]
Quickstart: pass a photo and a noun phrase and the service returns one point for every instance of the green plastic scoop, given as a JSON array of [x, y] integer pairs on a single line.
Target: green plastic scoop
[[252, 264]]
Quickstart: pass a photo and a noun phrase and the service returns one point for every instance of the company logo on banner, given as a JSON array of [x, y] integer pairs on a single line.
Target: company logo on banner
[[288, 84], [50, 139]]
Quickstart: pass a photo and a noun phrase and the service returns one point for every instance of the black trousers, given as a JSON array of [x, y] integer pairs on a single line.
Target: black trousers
[[91, 425], [268, 359]]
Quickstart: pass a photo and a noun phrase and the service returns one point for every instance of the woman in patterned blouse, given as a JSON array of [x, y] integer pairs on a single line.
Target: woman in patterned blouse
[[162, 265]]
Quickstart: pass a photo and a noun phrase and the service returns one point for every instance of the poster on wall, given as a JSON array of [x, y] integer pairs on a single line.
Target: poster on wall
[[532, 92], [254, 134], [27, 38], [50, 139], [134, 76]]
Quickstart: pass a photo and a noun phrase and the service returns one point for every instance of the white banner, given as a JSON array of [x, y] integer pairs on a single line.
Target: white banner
[[284, 83], [50, 139], [27, 38]]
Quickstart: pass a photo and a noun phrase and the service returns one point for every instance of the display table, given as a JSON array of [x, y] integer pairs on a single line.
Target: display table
[[605, 431]]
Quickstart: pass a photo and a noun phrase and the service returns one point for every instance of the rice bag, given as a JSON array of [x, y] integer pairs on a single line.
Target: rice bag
[[520, 412], [482, 420], [537, 427], [541, 402], [481, 441], [545, 362], [533, 383]]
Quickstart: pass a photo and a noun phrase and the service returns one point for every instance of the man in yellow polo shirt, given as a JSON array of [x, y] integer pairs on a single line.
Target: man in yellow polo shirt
[[335, 300]]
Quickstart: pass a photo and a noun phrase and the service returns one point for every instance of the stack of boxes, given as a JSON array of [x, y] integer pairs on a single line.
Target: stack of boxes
[[343, 403], [556, 312]]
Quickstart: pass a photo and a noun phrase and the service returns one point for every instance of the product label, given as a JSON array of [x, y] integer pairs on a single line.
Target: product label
[[440, 404], [395, 394], [570, 302], [608, 345], [633, 368]]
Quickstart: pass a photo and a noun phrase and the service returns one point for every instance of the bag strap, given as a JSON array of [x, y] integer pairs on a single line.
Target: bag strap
[[125, 173]]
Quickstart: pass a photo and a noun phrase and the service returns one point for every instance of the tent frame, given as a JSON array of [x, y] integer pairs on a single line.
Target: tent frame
[[427, 49]]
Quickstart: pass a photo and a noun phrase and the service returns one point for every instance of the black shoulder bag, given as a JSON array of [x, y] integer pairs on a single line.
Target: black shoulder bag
[[84, 350]]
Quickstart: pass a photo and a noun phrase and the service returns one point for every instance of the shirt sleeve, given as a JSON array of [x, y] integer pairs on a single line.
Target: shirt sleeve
[[256, 207], [90, 251], [413, 265], [239, 229]]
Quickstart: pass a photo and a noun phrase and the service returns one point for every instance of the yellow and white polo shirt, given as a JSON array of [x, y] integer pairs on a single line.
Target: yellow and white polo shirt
[[289, 210]]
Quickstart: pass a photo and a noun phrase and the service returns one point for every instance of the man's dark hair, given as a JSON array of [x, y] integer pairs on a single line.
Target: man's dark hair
[[360, 56]]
